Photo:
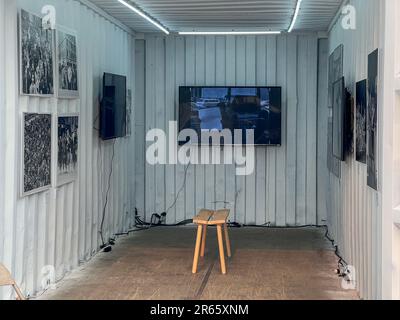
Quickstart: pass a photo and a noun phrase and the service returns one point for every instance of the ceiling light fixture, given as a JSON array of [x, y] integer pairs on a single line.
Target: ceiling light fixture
[[144, 15], [296, 14], [228, 32]]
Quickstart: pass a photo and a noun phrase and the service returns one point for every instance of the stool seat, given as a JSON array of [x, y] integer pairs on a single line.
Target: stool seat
[[207, 218], [211, 218]]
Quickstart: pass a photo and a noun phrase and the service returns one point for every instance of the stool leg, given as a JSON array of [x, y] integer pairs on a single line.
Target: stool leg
[[197, 249], [228, 243], [203, 241], [221, 249], [19, 293]]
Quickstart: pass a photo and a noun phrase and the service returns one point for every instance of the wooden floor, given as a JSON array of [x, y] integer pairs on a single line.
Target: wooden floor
[[156, 264]]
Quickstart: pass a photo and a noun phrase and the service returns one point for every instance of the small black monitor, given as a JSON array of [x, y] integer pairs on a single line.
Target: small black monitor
[[113, 107]]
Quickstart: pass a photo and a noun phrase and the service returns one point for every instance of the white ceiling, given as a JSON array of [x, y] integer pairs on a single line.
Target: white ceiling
[[224, 15]]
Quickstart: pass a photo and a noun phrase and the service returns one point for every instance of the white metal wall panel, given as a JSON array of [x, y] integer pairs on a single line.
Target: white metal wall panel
[[2, 122], [322, 169], [60, 227], [394, 266], [354, 209], [282, 189]]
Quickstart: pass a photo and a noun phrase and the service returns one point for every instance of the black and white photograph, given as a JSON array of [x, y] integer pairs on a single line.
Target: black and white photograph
[[335, 72], [339, 104], [361, 122], [67, 63], [129, 113], [36, 56], [36, 153], [67, 154], [372, 130]]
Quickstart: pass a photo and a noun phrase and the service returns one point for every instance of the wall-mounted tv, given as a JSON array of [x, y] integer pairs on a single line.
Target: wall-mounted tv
[[241, 108], [113, 107]]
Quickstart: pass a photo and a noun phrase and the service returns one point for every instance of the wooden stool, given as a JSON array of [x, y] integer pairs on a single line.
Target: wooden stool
[[211, 218], [7, 280]]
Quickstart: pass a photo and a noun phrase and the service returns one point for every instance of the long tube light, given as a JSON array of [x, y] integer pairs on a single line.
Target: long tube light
[[228, 32], [296, 14], [145, 16]]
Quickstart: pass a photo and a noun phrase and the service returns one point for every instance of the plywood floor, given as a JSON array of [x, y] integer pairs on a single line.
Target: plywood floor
[[156, 264]]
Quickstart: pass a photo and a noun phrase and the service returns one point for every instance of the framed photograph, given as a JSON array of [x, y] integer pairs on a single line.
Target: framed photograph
[[339, 105], [129, 113], [67, 63], [37, 56], [36, 153], [372, 124], [361, 121], [67, 148], [348, 124], [335, 72]]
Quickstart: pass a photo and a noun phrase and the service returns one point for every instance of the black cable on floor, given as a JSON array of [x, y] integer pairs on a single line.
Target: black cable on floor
[[142, 225], [341, 263]]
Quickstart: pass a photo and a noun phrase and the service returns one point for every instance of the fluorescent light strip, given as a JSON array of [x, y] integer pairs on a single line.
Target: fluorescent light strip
[[228, 32], [143, 15], [296, 14]]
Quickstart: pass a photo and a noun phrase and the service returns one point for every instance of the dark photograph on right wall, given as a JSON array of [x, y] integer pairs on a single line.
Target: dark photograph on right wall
[[361, 121], [372, 109]]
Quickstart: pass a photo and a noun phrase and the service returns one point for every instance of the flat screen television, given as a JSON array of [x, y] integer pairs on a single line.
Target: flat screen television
[[113, 107], [233, 108]]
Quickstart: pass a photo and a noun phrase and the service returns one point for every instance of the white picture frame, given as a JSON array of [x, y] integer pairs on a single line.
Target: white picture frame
[[28, 59], [67, 175], [28, 161], [72, 68]]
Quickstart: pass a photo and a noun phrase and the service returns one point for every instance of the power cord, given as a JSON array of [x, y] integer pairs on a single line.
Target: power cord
[[105, 246], [142, 225], [342, 264], [180, 190]]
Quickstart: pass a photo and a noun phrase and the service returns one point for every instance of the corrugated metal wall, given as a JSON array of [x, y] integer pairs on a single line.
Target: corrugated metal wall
[[282, 189], [322, 170], [2, 119], [353, 208], [393, 7], [60, 227]]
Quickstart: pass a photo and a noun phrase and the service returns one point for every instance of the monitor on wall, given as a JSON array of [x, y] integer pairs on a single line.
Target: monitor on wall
[[233, 108], [113, 107]]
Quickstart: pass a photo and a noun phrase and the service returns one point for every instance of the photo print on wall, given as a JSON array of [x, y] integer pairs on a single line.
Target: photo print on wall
[[67, 145], [348, 123], [372, 125], [36, 56], [335, 73], [129, 113], [361, 122], [67, 64], [36, 160]]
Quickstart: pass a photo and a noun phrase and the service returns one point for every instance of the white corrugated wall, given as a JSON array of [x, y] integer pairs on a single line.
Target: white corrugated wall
[[60, 227], [354, 209], [2, 120], [283, 188]]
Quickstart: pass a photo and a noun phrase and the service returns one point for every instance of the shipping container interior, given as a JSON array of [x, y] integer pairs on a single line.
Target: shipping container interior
[[103, 197]]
